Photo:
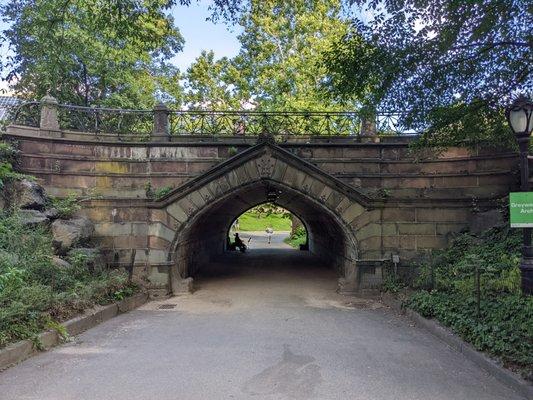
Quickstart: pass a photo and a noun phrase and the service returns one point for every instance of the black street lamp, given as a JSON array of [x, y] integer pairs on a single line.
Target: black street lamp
[[519, 115]]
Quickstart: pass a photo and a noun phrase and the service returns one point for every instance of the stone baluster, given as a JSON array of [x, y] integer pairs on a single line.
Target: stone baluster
[[368, 125], [49, 119], [161, 130]]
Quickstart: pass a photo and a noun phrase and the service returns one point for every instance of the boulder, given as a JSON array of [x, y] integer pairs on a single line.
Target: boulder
[[33, 217], [69, 233], [60, 263], [485, 220], [51, 214], [25, 194]]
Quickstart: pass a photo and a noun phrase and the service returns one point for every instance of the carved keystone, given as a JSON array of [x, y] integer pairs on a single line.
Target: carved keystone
[[265, 165]]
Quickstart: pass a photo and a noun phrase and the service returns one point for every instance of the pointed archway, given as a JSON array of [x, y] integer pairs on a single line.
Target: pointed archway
[[205, 206]]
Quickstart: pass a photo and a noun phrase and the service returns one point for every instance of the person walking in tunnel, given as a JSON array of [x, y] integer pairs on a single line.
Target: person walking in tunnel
[[269, 231]]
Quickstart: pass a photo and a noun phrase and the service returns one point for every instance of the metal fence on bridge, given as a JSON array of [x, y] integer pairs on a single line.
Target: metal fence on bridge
[[161, 120]]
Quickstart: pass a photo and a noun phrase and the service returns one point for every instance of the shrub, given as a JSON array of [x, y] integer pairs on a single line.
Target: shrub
[[35, 293], [162, 192], [500, 320], [298, 237], [8, 157], [504, 328], [68, 206]]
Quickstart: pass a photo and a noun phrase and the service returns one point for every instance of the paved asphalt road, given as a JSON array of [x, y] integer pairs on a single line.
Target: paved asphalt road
[[259, 240], [266, 326]]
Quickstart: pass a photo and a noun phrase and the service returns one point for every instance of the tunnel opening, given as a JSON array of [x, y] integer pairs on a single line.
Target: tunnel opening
[[267, 226], [200, 250]]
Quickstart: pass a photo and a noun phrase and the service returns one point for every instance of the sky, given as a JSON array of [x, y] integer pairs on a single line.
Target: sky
[[199, 34]]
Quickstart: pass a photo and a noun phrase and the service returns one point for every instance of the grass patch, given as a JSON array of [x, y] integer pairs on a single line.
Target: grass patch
[[255, 222], [35, 293]]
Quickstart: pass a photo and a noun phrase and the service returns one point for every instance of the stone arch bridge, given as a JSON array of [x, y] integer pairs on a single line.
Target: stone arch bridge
[[362, 198]]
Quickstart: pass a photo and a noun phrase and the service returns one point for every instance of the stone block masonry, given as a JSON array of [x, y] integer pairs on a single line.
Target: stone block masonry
[[375, 199]]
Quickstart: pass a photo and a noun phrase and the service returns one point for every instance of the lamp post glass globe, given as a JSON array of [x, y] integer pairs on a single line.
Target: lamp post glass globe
[[519, 116]]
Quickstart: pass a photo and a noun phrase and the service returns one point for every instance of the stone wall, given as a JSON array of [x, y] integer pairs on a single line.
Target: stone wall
[[388, 198]]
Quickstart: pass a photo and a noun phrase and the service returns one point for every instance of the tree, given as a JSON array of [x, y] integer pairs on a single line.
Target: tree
[[87, 52], [452, 65], [281, 49], [279, 65], [209, 84]]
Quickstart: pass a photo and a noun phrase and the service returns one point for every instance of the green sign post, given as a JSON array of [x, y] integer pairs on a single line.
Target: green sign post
[[521, 209]]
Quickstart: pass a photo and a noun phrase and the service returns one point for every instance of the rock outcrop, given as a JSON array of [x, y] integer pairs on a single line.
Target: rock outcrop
[[33, 217], [72, 232], [70, 236], [24, 194]]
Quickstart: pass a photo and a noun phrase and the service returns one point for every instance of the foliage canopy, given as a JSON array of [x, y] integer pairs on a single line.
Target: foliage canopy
[[449, 66], [85, 52], [453, 65], [279, 65]]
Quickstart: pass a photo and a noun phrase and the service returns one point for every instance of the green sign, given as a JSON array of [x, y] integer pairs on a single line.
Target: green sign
[[521, 209]]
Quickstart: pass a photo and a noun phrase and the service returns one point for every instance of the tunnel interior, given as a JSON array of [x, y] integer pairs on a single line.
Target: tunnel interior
[[204, 237]]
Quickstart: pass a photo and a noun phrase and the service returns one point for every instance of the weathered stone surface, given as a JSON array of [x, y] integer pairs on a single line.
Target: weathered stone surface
[[369, 230], [177, 212], [417, 229], [25, 194], [279, 171], [60, 263], [51, 213], [352, 212], [182, 286], [157, 277], [113, 229], [451, 228], [160, 230], [486, 220], [33, 217], [419, 203], [68, 233], [442, 215], [430, 242], [399, 214], [157, 256], [49, 120], [407, 242], [389, 229]]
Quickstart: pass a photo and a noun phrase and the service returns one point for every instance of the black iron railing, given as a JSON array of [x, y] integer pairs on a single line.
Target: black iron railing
[[105, 120], [26, 114], [255, 123], [194, 122]]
